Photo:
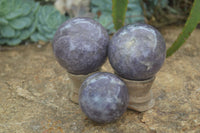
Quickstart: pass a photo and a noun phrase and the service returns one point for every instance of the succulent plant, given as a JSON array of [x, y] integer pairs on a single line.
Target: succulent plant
[[19, 19], [80, 45], [137, 51], [103, 8], [103, 97], [48, 21]]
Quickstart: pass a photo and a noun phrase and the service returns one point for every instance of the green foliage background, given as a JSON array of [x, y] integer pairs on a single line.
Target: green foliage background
[[37, 20], [154, 12], [26, 19], [103, 10], [190, 25]]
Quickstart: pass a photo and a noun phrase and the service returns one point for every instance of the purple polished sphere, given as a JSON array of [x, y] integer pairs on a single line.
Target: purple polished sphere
[[80, 45], [103, 97], [137, 51]]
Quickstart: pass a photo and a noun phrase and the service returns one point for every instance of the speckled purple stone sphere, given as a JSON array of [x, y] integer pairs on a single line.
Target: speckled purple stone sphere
[[137, 51], [103, 97], [80, 45]]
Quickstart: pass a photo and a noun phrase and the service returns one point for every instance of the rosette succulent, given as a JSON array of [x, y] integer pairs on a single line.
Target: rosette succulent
[[20, 19], [48, 21], [103, 10], [17, 20]]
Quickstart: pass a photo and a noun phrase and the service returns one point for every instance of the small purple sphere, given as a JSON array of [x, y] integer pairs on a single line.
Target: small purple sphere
[[80, 45], [137, 51], [103, 97]]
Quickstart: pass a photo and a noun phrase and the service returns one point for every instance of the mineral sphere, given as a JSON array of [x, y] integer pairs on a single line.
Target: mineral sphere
[[137, 51], [80, 45], [103, 97]]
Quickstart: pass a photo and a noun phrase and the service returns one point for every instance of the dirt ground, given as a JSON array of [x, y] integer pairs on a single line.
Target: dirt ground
[[34, 94]]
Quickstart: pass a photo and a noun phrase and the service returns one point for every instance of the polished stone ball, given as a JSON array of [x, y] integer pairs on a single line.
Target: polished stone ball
[[103, 97], [80, 45], [137, 51]]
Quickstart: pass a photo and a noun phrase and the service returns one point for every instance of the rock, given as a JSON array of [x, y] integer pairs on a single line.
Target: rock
[[176, 90]]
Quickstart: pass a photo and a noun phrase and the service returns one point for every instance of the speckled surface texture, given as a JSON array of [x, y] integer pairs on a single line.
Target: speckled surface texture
[[80, 45], [103, 97], [137, 51], [34, 94]]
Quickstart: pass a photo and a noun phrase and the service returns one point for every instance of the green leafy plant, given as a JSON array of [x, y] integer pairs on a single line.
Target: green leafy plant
[[119, 12], [48, 19], [17, 20], [190, 25], [134, 12], [103, 10], [24, 19]]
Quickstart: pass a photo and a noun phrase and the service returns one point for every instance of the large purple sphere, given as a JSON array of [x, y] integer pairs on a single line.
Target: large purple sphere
[[80, 45], [137, 51], [103, 97]]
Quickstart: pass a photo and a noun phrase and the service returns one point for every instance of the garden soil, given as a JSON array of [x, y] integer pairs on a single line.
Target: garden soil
[[34, 93]]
